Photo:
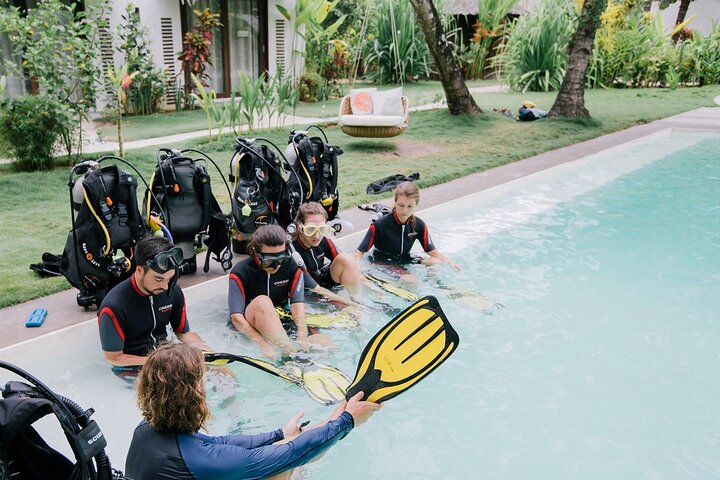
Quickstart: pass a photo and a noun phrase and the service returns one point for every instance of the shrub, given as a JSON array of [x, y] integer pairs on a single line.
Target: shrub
[[309, 87], [535, 55], [32, 125]]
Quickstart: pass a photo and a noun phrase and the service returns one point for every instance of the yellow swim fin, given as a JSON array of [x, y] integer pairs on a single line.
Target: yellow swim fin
[[323, 383], [394, 289], [404, 351], [324, 320]]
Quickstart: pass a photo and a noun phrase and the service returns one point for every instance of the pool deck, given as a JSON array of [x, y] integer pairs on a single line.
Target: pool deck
[[63, 310]]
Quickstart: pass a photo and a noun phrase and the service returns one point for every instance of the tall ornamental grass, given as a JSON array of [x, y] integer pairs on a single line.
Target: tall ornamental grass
[[535, 54], [398, 51]]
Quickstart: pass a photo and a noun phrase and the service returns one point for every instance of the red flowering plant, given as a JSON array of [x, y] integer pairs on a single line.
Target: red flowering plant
[[196, 53]]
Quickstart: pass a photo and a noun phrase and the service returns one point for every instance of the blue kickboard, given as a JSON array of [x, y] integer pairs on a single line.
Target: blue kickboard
[[36, 318]]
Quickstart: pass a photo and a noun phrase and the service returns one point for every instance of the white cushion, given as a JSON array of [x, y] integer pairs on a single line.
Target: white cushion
[[361, 101], [372, 120], [387, 102]]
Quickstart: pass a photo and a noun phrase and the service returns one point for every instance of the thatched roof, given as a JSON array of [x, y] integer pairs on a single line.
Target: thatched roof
[[470, 7]]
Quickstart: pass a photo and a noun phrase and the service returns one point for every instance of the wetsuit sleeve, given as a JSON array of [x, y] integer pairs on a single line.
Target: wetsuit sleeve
[[330, 250], [297, 286], [179, 316], [250, 441], [309, 280], [206, 458], [236, 295], [425, 239], [369, 239], [112, 336]]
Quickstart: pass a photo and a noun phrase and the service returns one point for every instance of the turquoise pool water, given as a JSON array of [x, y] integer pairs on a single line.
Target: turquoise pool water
[[600, 360]]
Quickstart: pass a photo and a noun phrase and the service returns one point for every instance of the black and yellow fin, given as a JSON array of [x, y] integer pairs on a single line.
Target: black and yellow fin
[[404, 351], [324, 320], [323, 383], [394, 289]]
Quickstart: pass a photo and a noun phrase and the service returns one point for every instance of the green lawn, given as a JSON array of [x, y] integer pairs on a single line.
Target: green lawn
[[162, 124], [35, 215]]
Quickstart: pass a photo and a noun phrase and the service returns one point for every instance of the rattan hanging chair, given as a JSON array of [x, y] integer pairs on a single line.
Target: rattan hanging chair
[[371, 126]]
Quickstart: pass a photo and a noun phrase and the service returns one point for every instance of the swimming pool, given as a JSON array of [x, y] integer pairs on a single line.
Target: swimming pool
[[600, 361]]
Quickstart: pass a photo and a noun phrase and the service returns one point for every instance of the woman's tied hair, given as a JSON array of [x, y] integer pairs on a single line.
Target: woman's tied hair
[[170, 392], [305, 210], [269, 235], [148, 247]]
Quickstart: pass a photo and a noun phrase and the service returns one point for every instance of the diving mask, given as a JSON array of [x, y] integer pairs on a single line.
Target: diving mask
[[165, 261], [273, 260], [311, 230]]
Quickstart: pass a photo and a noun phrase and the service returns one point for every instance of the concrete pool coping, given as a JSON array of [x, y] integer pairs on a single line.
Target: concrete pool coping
[[64, 312]]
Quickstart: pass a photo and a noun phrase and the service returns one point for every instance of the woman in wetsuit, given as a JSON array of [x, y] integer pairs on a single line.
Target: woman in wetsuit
[[321, 259], [394, 234], [270, 278], [167, 444]]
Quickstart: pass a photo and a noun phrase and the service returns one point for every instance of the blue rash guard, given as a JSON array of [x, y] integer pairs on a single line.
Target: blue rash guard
[[181, 456], [394, 240]]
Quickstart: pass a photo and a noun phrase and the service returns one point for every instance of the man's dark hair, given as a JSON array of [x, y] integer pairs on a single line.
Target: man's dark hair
[[150, 246]]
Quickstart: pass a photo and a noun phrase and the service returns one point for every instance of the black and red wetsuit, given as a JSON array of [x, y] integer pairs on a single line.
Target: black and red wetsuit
[[248, 280], [315, 261], [135, 323], [394, 240]]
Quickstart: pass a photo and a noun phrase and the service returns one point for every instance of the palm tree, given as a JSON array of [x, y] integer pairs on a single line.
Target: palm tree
[[570, 101], [458, 96]]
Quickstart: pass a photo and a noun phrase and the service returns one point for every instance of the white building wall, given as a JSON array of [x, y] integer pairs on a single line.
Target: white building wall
[[153, 13], [706, 12], [280, 39]]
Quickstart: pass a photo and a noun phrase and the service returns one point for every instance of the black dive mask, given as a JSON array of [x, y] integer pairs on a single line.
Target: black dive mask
[[165, 261], [273, 260]]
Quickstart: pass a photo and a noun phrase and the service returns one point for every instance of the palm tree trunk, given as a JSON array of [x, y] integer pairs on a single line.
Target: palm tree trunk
[[458, 96], [570, 101], [682, 11]]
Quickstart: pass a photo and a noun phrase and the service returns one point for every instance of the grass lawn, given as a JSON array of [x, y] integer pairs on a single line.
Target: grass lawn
[[35, 214], [161, 124]]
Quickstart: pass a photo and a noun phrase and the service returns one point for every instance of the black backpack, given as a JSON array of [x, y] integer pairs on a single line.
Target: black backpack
[[181, 194], [24, 454], [317, 166], [260, 194], [107, 225]]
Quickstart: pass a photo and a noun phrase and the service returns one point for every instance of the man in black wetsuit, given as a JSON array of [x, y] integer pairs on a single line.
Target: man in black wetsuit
[[134, 315]]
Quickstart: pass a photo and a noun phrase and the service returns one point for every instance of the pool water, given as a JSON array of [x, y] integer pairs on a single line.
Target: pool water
[[598, 356]]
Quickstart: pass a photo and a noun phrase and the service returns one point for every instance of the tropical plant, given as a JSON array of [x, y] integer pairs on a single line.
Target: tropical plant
[[206, 99], [286, 97], [149, 85], [32, 125], [120, 80], [490, 26], [398, 51], [704, 56], [634, 49], [307, 20], [197, 53], [252, 98], [58, 45], [534, 57]]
